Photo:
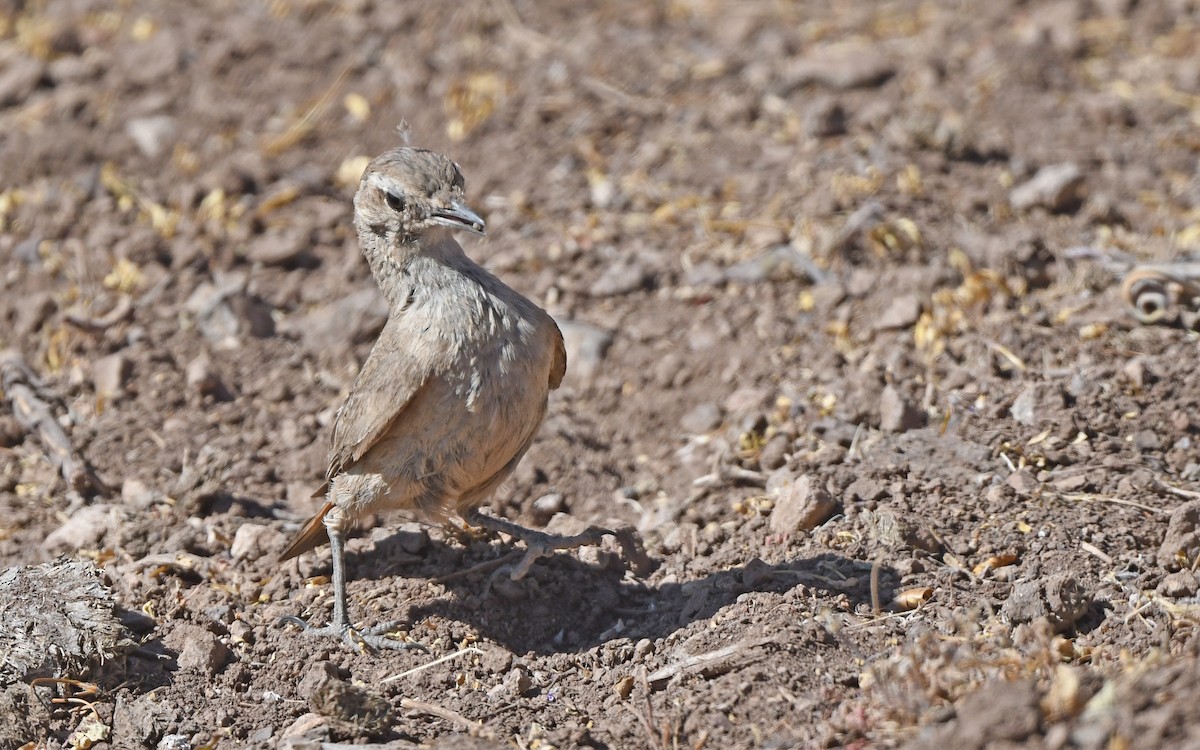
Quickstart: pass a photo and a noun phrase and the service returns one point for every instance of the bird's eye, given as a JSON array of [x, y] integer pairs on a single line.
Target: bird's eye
[[458, 180], [395, 202]]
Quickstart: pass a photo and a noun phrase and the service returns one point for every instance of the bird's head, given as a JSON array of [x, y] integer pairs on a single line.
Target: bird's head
[[407, 192]]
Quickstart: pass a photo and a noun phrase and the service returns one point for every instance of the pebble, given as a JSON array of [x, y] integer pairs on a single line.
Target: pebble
[[279, 247], [33, 312], [1072, 483], [152, 135], [775, 453], [1036, 402], [586, 347], [547, 505], [1057, 188], [897, 414], [411, 537], [517, 682], [902, 313], [175, 742], [109, 375], [202, 379], [701, 419], [84, 529], [621, 277], [21, 76], [254, 540], [825, 118], [1147, 441], [1023, 481], [839, 67], [1179, 584], [223, 310], [780, 263], [137, 495], [800, 505], [333, 328], [198, 648], [11, 431], [1181, 543], [305, 724]]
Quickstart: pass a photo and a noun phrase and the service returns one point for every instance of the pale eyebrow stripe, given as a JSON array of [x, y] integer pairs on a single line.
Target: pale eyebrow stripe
[[384, 182]]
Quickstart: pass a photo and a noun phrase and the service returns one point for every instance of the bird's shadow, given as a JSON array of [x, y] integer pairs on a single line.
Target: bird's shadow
[[567, 605]]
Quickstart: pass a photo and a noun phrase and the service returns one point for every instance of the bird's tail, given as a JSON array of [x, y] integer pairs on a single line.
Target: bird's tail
[[310, 536]]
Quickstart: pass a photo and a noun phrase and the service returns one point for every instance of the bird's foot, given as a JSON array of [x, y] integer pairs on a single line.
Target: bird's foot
[[370, 639]]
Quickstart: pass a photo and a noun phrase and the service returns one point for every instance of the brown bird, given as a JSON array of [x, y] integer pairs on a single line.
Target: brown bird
[[455, 388]]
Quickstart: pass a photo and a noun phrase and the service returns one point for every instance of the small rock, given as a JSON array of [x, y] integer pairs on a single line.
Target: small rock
[[1057, 188], [1147, 441], [780, 263], [175, 742], [1004, 712], [203, 380], [866, 490], [586, 347], [310, 724], [109, 375], [902, 313], [621, 277], [624, 687], [1023, 481], [840, 67], [353, 319], [241, 632], [152, 134], [11, 431], [198, 648], [801, 505], [896, 414], [411, 537], [1136, 373], [136, 494], [1061, 600], [1179, 584], [496, 660], [547, 505], [253, 540], [1037, 402], [1181, 543], [703, 274], [278, 247], [33, 312], [701, 419], [774, 454], [517, 682], [1072, 483], [21, 76], [84, 529], [825, 118], [224, 310]]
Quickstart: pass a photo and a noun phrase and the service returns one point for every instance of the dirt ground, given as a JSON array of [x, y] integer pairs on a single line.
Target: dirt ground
[[847, 346]]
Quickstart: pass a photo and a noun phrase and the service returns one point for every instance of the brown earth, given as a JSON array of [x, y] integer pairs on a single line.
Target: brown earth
[[842, 264]]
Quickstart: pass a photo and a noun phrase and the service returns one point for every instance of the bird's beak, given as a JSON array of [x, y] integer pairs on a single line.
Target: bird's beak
[[458, 216]]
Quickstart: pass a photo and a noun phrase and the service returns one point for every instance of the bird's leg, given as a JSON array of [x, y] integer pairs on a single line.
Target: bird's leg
[[541, 544], [360, 640]]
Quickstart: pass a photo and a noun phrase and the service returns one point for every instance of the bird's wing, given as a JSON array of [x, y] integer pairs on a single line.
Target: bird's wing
[[558, 364], [390, 381]]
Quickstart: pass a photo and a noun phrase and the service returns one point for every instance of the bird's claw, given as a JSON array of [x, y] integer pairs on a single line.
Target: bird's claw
[[370, 639]]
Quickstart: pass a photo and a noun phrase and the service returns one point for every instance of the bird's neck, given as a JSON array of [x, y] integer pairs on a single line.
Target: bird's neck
[[390, 264]]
